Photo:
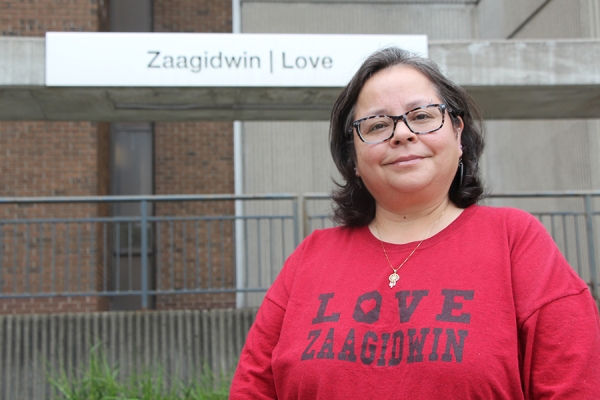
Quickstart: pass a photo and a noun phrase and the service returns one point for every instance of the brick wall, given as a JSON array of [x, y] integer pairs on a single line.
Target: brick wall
[[72, 159], [192, 15], [50, 159], [36, 17], [194, 158]]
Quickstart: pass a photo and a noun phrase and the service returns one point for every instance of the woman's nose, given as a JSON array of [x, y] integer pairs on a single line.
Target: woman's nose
[[402, 134]]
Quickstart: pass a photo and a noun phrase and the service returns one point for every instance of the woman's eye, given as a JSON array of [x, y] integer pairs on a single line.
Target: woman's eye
[[378, 126], [421, 116]]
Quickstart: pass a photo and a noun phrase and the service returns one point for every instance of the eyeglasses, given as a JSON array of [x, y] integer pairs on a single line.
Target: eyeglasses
[[420, 120]]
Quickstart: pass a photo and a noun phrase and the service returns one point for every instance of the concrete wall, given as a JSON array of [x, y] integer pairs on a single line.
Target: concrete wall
[[532, 155], [547, 155], [438, 21], [281, 157]]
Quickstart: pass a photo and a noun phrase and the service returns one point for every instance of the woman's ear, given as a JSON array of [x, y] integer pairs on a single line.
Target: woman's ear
[[459, 127]]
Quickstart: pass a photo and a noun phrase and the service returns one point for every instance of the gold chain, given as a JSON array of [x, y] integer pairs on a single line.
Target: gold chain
[[394, 277]]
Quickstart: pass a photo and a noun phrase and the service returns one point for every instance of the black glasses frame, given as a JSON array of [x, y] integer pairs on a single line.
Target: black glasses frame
[[356, 124]]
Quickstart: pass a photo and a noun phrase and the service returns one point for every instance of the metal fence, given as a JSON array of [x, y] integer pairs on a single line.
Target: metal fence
[[176, 346], [207, 244]]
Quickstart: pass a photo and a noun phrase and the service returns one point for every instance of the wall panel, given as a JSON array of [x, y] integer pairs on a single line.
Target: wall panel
[[439, 21], [558, 19], [281, 157]]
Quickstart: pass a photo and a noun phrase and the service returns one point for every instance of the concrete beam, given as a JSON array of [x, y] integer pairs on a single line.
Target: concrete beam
[[534, 79], [508, 79]]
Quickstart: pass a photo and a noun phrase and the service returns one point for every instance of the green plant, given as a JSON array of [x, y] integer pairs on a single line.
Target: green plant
[[99, 380]]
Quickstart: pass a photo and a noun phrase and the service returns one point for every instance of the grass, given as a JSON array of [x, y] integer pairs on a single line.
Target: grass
[[100, 380]]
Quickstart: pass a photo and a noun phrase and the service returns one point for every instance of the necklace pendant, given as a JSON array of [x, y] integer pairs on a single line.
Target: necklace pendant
[[393, 279]]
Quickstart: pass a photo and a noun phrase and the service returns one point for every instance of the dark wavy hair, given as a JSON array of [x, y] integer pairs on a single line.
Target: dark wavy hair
[[353, 204]]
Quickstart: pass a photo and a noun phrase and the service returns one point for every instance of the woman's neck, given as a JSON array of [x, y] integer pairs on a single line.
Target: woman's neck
[[415, 224]]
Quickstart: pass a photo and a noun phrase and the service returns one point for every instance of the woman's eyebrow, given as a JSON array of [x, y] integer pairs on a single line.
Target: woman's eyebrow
[[407, 107], [418, 103]]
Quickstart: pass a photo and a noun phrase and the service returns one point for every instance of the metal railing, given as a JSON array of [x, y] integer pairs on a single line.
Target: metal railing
[[197, 245], [186, 246]]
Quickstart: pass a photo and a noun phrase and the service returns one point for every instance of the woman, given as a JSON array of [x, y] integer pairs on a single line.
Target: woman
[[420, 293]]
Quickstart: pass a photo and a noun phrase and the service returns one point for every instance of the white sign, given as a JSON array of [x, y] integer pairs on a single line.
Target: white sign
[[212, 59]]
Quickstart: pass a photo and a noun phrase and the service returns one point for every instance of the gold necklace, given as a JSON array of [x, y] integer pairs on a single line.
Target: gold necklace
[[394, 277]]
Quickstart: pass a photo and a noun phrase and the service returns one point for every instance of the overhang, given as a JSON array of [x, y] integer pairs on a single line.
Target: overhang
[[509, 79]]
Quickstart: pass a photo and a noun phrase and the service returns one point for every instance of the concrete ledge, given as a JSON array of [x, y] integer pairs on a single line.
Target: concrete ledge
[[508, 79]]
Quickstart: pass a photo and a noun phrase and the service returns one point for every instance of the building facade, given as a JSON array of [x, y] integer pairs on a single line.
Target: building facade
[[78, 158]]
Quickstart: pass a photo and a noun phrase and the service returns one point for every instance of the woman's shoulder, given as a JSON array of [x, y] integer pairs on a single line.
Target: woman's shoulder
[[503, 212], [509, 217], [330, 234]]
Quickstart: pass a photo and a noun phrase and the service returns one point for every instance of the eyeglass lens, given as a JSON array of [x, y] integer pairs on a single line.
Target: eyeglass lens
[[422, 120]]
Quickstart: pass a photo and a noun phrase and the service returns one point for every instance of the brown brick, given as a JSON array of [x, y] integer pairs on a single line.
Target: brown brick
[[194, 158], [72, 159], [192, 15], [50, 159], [36, 17]]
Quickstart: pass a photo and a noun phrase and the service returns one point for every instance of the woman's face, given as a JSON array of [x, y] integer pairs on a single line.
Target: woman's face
[[420, 165]]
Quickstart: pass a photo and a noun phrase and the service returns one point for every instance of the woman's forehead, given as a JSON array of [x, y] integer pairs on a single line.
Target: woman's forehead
[[395, 89], [398, 96]]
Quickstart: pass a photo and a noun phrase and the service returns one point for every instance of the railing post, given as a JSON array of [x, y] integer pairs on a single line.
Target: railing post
[[2, 256], [144, 239], [589, 218], [305, 220], [240, 277], [298, 217]]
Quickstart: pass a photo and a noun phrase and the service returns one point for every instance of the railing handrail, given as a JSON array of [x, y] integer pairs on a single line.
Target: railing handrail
[[266, 196], [301, 215], [152, 198]]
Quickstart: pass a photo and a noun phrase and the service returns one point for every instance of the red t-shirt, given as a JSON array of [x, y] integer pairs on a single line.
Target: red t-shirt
[[487, 308]]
